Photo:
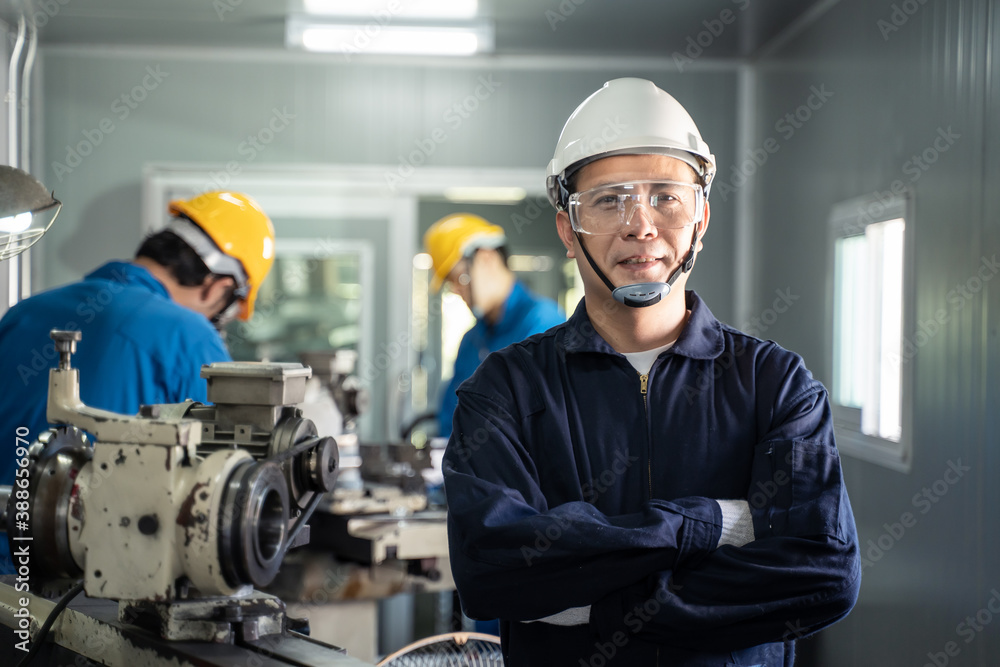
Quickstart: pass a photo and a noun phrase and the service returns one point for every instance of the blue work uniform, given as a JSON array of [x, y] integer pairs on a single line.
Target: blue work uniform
[[139, 348], [574, 481], [524, 314]]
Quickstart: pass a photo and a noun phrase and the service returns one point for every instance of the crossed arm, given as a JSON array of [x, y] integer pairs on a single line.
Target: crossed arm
[[658, 573]]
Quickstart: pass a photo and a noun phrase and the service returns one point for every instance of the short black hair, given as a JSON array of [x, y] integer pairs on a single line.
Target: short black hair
[[170, 251], [502, 250]]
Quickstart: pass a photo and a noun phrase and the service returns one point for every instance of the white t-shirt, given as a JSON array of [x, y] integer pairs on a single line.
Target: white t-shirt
[[643, 361]]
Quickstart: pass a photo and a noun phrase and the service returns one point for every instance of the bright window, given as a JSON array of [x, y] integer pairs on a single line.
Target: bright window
[[870, 373]]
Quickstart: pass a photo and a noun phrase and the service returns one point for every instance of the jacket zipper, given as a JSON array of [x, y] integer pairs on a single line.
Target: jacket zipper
[[643, 389]]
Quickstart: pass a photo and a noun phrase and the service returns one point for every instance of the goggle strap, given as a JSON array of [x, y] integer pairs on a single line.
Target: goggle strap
[[593, 264]]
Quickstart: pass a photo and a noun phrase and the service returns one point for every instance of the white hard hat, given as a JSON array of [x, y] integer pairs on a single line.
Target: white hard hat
[[626, 117]]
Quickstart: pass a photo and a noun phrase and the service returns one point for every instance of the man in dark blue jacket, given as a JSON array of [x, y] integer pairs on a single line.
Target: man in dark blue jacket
[[147, 324], [644, 485]]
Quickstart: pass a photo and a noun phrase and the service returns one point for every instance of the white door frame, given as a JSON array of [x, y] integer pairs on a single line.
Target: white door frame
[[308, 191]]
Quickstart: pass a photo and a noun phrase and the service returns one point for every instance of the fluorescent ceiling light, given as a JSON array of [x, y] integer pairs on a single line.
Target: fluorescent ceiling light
[[388, 38], [391, 39], [406, 9], [494, 195]]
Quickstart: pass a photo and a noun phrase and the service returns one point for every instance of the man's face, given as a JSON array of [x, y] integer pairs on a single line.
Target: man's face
[[639, 252], [209, 299]]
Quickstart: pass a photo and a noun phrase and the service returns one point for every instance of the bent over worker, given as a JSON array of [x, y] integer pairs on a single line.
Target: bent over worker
[[148, 324], [645, 485]]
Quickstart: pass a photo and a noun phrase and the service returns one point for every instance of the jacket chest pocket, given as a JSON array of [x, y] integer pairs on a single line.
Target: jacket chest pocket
[[796, 489]]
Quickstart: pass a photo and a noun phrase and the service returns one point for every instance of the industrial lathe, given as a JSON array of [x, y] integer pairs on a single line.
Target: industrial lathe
[[169, 522]]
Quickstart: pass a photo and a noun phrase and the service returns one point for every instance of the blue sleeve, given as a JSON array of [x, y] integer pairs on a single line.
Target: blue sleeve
[[204, 349], [466, 362], [504, 538], [545, 315], [449, 399], [800, 574]]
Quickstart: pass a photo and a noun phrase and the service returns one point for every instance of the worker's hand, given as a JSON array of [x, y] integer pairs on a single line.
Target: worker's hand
[[737, 523], [571, 616]]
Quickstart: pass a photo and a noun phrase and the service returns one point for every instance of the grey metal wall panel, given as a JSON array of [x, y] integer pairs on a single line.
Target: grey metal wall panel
[[903, 75], [987, 515]]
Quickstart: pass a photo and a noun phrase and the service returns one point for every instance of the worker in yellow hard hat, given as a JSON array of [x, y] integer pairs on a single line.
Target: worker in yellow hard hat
[[233, 237], [470, 258], [148, 324]]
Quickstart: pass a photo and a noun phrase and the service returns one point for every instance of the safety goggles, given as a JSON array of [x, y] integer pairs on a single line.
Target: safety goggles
[[460, 276], [607, 209]]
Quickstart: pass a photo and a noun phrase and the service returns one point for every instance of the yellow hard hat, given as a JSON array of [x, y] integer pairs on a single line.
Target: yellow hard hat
[[455, 236], [241, 230]]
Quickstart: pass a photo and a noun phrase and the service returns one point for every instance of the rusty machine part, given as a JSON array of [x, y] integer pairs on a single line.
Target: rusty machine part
[[178, 505]]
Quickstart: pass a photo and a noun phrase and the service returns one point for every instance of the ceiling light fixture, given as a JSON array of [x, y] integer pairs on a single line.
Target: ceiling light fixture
[[485, 195], [388, 37]]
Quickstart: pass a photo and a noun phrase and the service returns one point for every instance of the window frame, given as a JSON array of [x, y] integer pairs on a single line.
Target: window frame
[[851, 218]]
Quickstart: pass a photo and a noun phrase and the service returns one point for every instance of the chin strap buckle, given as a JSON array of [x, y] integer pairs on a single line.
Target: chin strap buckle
[[689, 261]]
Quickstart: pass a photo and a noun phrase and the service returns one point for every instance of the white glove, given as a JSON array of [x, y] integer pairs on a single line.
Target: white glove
[[571, 616], [737, 523]]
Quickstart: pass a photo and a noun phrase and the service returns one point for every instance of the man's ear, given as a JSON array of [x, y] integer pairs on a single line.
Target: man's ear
[[703, 227], [566, 234], [215, 288]]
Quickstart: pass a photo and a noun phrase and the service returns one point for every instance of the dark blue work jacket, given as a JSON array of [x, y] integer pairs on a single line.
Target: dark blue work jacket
[[572, 481]]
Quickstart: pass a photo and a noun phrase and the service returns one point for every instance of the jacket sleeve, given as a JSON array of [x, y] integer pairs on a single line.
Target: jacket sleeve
[[505, 540], [202, 346], [800, 574], [466, 362]]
